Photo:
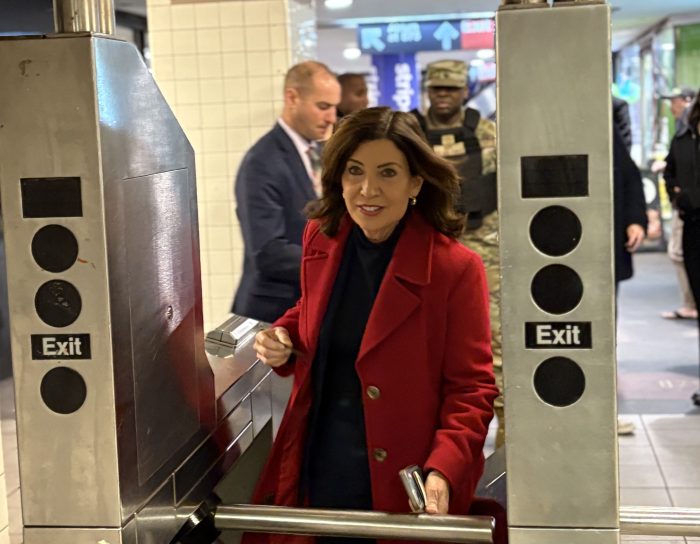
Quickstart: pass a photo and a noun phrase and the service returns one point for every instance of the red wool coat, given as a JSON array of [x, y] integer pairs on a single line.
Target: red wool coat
[[426, 348]]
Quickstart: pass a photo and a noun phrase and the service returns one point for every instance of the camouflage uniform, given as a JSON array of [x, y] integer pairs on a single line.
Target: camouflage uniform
[[484, 239]]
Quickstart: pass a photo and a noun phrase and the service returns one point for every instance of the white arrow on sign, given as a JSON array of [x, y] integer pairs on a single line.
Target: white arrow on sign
[[371, 38], [445, 34]]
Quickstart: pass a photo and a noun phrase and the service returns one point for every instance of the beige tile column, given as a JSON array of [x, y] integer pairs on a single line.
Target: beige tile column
[[221, 66]]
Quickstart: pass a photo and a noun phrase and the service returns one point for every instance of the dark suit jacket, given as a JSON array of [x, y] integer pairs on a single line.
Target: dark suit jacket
[[427, 339], [272, 188], [629, 204]]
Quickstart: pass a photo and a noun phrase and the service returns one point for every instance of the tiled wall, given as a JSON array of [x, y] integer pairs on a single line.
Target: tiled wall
[[221, 66]]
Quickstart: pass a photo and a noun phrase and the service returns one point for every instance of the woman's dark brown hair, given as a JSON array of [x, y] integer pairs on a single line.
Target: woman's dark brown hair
[[440, 186]]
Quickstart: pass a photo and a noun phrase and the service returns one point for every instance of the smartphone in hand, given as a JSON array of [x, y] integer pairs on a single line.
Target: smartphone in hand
[[412, 480]]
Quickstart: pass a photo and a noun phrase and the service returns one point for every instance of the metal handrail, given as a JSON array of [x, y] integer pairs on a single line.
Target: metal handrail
[[353, 523], [657, 521]]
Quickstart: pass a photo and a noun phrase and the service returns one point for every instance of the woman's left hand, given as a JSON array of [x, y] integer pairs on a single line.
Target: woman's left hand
[[437, 492]]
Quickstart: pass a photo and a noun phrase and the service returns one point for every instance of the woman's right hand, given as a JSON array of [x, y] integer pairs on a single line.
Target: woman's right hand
[[273, 346]]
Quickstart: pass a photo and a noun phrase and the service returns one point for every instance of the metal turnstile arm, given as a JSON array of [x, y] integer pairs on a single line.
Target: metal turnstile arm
[[351, 523], [657, 521]]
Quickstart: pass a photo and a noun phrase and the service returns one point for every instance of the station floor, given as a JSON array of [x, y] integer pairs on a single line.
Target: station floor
[[657, 373]]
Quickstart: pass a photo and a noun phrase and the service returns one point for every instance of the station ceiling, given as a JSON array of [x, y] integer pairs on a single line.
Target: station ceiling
[[630, 17]]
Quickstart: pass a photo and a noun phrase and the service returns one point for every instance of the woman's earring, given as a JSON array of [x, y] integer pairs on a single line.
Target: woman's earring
[[412, 200]]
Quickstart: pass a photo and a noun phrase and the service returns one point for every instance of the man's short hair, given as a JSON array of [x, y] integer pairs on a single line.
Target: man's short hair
[[300, 76]]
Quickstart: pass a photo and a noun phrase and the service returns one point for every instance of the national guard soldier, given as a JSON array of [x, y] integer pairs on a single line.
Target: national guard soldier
[[460, 134]]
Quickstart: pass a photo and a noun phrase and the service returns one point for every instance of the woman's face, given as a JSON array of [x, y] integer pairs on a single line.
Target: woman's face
[[377, 184]]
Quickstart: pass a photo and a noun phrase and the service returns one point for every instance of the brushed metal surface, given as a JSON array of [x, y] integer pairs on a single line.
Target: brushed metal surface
[[75, 535], [659, 521], [160, 426], [157, 237], [554, 99], [562, 536], [351, 523], [68, 463]]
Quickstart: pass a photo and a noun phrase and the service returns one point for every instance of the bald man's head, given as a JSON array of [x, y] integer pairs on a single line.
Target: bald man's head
[[311, 94]]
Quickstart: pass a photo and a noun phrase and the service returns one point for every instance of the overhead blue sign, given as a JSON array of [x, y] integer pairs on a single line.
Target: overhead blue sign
[[393, 38], [397, 81]]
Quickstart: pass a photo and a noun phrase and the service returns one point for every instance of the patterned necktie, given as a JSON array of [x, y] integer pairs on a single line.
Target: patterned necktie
[[315, 159]]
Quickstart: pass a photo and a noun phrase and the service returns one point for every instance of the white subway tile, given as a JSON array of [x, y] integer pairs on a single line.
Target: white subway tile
[[237, 115], [259, 63], [219, 237], [207, 15], [261, 88], [231, 14], [186, 67], [184, 42], [262, 113], [235, 89], [214, 140], [220, 262], [159, 18], [232, 39], [257, 39], [211, 91], [182, 17], [160, 42], [187, 91], [278, 38], [210, 65], [163, 67], [256, 13], [277, 12], [238, 139], [213, 116], [234, 64], [223, 285], [209, 40], [188, 115]]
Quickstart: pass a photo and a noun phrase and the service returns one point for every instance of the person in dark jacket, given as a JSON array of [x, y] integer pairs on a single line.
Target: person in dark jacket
[[682, 176], [630, 222], [621, 119], [630, 210], [277, 178]]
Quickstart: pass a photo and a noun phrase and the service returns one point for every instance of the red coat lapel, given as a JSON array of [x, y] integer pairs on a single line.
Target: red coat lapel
[[397, 298], [319, 269]]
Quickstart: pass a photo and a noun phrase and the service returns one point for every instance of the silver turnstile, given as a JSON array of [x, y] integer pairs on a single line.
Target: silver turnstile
[[123, 424]]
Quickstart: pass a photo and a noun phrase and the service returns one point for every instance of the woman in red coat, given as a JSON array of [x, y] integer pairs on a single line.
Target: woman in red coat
[[389, 344]]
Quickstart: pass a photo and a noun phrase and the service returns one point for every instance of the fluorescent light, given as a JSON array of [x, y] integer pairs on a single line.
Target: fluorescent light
[[337, 4], [352, 53], [485, 54]]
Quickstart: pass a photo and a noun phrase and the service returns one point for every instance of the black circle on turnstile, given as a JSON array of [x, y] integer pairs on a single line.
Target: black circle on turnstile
[[54, 248], [58, 303], [555, 231], [556, 289], [559, 381], [63, 390]]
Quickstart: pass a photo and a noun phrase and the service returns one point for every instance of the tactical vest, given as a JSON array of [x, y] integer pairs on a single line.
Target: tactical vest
[[478, 195]]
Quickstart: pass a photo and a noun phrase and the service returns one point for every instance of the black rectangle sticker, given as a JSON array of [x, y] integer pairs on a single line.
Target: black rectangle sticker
[[558, 335], [60, 346]]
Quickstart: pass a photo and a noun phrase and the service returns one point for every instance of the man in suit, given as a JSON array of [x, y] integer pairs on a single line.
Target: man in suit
[[278, 176]]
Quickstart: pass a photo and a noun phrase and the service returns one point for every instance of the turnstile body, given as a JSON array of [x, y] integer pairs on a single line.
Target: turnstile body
[[555, 205], [122, 422]]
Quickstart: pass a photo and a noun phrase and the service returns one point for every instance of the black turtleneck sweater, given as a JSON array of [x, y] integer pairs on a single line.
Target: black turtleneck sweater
[[336, 469]]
